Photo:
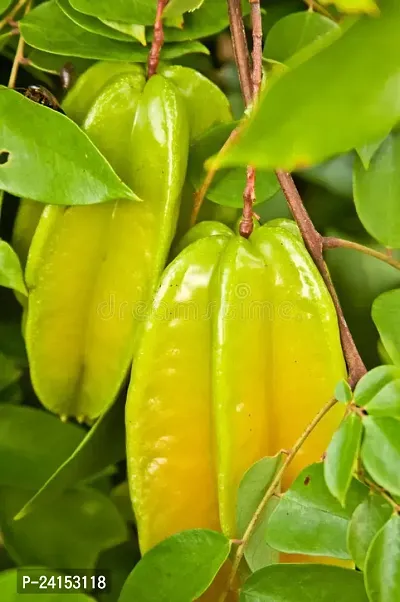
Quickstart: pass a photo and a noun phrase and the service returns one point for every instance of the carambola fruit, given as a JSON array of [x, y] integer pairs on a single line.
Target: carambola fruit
[[240, 351]]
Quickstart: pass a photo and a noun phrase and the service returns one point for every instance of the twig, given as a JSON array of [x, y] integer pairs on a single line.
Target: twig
[[256, 23], [271, 489], [331, 242], [19, 55], [158, 40], [240, 49], [249, 197], [250, 82], [10, 17], [314, 243]]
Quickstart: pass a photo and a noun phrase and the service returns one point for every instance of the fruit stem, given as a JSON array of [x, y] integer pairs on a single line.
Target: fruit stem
[[158, 40]]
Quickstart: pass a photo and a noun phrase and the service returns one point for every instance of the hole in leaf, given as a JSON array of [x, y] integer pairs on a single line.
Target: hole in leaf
[[4, 156]]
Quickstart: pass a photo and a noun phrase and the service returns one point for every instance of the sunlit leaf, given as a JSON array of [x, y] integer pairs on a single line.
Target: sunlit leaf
[[382, 565], [342, 455], [298, 122], [343, 392], [48, 28], [91, 23], [294, 32], [367, 151], [354, 6], [377, 190], [304, 583], [251, 491], [368, 518], [141, 12], [179, 568], [10, 268], [83, 176], [138, 32], [386, 315], [309, 520], [178, 7], [379, 391], [380, 451]]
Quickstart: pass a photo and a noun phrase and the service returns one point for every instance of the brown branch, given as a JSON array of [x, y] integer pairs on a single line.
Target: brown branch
[[250, 82], [331, 242], [256, 23], [240, 49], [271, 490], [158, 40]]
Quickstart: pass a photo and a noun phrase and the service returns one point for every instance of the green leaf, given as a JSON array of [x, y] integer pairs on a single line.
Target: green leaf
[[83, 176], [252, 488], [206, 103], [380, 451], [91, 23], [12, 343], [10, 268], [138, 32], [358, 77], [103, 446], [367, 151], [335, 175], [228, 184], [304, 583], [309, 520], [175, 8], [386, 315], [294, 32], [4, 4], [341, 457], [354, 6], [9, 373], [377, 190], [53, 63], [343, 392], [119, 561], [382, 565], [379, 391], [8, 588], [368, 518], [179, 568], [33, 444], [68, 534], [48, 28], [141, 12]]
